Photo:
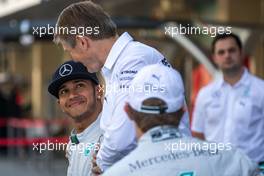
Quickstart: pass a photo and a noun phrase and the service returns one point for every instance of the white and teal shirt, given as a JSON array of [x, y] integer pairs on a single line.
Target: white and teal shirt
[[81, 147], [165, 151], [233, 114]]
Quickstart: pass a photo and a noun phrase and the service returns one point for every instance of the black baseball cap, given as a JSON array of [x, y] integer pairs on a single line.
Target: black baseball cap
[[69, 70]]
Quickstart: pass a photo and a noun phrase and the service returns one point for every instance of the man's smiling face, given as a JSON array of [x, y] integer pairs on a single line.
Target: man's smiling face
[[77, 98]]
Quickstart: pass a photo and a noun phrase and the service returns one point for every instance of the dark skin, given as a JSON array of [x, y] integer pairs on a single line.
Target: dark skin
[[95, 168], [81, 100]]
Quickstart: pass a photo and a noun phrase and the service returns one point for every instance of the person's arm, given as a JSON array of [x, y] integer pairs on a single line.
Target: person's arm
[[184, 126], [198, 118], [120, 135], [240, 164]]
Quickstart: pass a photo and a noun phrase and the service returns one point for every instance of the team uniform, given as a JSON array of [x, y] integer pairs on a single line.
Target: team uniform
[[125, 59], [81, 148], [233, 114], [82, 145], [155, 156]]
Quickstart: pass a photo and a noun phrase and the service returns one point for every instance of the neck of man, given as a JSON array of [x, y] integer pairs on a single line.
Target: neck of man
[[233, 77], [104, 48], [139, 132], [88, 119]]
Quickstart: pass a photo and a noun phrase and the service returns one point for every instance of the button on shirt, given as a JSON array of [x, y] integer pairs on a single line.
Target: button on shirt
[[80, 155], [233, 114], [125, 59], [159, 153]]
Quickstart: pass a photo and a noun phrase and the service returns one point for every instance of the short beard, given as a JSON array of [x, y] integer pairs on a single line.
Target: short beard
[[232, 71], [87, 113]]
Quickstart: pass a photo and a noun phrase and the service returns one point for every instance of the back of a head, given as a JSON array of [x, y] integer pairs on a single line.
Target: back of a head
[[156, 97], [83, 18]]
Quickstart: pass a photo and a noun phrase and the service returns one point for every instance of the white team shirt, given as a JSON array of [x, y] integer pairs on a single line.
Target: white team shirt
[[80, 155], [233, 114], [125, 59], [159, 153]]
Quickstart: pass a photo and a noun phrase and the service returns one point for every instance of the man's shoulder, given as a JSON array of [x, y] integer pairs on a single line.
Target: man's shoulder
[[257, 82], [93, 132], [138, 46], [209, 89], [140, 51], [240, 161], [122, 167], [136, 56]]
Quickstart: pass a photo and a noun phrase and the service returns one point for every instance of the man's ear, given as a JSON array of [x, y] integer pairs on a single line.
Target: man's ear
[[58, 101], [99, 92], [83, 42]]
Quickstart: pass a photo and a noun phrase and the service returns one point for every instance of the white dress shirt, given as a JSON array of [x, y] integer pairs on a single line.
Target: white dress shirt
[[155, 156], [233, 114], [80, 155], [125, 59]]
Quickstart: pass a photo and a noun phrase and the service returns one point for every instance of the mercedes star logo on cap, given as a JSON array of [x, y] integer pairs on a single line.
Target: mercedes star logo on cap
[[65, 70]]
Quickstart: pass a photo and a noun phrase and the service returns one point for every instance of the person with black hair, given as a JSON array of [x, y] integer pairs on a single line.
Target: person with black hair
[[79, 95]]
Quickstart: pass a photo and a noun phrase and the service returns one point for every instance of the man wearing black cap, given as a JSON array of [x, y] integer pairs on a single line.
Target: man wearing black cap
[[79, 96]]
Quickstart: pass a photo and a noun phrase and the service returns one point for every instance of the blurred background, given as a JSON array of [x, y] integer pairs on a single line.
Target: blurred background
[[29, 115]]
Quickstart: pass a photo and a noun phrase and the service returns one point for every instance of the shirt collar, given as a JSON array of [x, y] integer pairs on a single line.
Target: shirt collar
[[81, 136], [116, 49], [244, 80]]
